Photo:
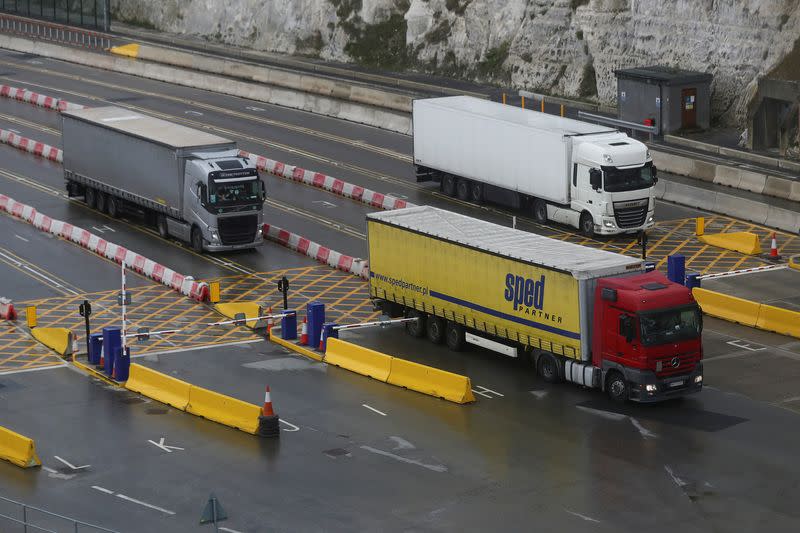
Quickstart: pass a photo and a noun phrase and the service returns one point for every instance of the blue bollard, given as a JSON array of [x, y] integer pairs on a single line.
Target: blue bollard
[[112, 340], [676, 268], [649, 266], [315, 313], [289, 325], [692, 281], [327, 333], [122, 363], [95, 348]]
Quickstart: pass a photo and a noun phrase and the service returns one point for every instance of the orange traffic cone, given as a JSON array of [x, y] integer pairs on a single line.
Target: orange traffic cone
[[269, 321], [304, 332], [773, 250], [267, 410]]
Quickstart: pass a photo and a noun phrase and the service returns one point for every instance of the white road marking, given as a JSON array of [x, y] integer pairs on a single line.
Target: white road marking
[[180, 350], [144, 504], [21, 238], [487, 393], [373, 409], [196, 113], [7, 372], [604, 414], [582, 517], [646, 433], [103, 229], [14, 131], [229, 530], [165, 447], [323, 203], [790, 400], [101, 489], [292, 427], [435, 468], [402, 444], [254, 108], [746, 346], [71, 465], [678, 481], [539, 394], [55, 474], [397, 195]]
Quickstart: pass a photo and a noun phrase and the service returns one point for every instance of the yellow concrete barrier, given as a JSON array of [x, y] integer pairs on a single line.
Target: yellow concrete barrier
[[727, 307], [223, 409], [779, 320], [358, 359], [289, 345], [158, 386], [794, 262], [740, 241], [432, 381], [248, 309], [57, 339], [18, 449], [127, 50]]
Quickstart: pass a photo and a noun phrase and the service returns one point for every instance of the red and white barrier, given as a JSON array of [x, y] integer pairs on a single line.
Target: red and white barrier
[[183, 284], [49, 102], [316, 251], [329, 183], [7, 311], [29, 145]]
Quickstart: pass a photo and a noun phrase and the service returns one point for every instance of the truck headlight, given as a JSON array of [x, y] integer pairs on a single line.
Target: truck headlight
[[698, 379], [608, 224], [650, 219], [214, 235], [650, 388]]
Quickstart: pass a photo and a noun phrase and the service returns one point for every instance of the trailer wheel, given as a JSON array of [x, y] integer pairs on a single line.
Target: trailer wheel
[[100, 202], [462, 189], [547, 367], [90, 197], [616, 386], [476, 193], [197, 240], [449, 185], [540, 211], [161, 226], [416, 329], [587, 224], [435, 329], [454, 336], [112, 206]]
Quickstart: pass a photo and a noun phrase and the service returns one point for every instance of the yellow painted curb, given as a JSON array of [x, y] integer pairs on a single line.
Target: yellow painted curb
[[18, 449], [740, 241], [57, 339], [127, 50], [248, 309], [794, 262], [302, 350]]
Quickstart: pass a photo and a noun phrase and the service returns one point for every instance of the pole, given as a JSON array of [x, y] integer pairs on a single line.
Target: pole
[[124, 342], [643, 242], [86, 320], [214, 513]]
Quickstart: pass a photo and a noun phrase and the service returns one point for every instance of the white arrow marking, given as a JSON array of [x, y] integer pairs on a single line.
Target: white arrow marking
[[292, 427], [328, 205], [253, 108], [163, 446], [71, 465]]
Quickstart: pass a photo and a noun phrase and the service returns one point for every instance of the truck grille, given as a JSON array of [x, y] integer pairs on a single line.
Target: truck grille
[[630, 214], [686, 363], [237, 230]]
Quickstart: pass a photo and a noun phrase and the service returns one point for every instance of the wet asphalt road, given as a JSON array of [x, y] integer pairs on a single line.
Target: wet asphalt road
[[526, 456]]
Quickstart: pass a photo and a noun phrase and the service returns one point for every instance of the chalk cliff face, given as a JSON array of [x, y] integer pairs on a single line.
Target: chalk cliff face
[[565, 47]]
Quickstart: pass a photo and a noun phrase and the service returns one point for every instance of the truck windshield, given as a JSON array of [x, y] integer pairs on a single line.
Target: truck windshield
[[234, 191], [672, 325], [628, 179]]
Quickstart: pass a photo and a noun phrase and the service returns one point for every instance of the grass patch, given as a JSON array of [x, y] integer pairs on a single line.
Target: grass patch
[[380, 45], [492, 64]]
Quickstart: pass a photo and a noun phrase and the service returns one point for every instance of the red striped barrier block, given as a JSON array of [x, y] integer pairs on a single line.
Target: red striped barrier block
[[328, 183], [29, 145], [184, 284], [48, 102], [325, 255], [7, 311]]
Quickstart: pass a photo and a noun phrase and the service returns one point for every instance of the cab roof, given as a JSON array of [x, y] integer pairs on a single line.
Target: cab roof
[[647, 291]]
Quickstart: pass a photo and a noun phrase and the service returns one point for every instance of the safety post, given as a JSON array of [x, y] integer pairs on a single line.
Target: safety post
[[542, 104], [562, 110], [643, 243], [213, 292], [699, 226], [85, 310], [283, 287], [523, 102], [268, 421], [676, 268], [504, 98], [30, 316]]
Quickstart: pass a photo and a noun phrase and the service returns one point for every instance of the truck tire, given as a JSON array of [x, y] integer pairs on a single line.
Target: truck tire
[[540, 211], [416, 329], [454, 336], [100, 202], [476, 193], [197, 240], [90, 197], [462, 189], [587, 224], [616, 386], [449, 185], [547, 367], [161, 226], [435, 329], [112, 206]]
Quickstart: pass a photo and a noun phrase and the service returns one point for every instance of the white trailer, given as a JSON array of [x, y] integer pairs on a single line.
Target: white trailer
[[591, 177]]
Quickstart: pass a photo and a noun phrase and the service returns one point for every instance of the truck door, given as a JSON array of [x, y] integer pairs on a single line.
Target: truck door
[[582, 194]]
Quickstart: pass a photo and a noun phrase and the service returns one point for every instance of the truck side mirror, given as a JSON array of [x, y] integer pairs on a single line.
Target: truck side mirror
[[626, 327], [595, 178], [654, 171], [201, 193], [263, 191]]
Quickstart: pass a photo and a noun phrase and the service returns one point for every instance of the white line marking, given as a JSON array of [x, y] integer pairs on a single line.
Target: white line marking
[[486, 393], [435, 468], [163, 446], [101, 489], [133, 500], [15, 131], [646, 433], [373, 409], [254, 108], [21, 238], [746, 346], [22, 371], [179, 350], [678, 481], [582, 517], [604, 414], [71, 465], [196, 113], [291, 426], [539, 394], [229, 530], [48, 469], [790, 400]]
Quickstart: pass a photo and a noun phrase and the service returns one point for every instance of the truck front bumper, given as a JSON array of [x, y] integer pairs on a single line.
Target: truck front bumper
[[608, 226], [645, 387]]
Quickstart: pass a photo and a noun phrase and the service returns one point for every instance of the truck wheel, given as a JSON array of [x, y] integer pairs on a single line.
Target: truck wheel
[[462, 189], [435, 329], [161, 226], [454, 336], [90, 197], [476, 193], [112, 206], [540, 211], [416, 329], [197, 240], [548, 368], [616, 386], [100, 202], [449, 185], [587, 225]]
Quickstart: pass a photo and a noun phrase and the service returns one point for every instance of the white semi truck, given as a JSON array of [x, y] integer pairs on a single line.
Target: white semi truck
[[590, 177], [190, 184]]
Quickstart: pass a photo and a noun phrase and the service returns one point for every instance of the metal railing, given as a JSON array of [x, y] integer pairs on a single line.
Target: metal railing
[[50, 31], [91, 14], [623, 124], [28, 512]]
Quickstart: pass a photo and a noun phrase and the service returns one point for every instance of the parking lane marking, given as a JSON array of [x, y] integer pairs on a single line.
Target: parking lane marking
[[487, 393], [582, 517], [229, 530], [435, 468], [101, 489], [746, 346], [165, 447], [71, 465], [132, 500], [373, 409], [21, 238]]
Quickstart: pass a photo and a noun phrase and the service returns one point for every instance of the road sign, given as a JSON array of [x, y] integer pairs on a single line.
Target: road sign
[[213, 512]]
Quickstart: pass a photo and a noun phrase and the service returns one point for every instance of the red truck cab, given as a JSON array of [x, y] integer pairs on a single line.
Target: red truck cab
[[647, 338]]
